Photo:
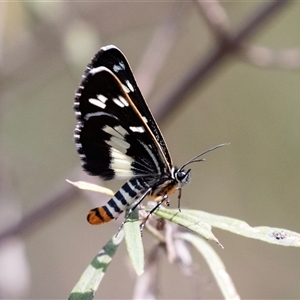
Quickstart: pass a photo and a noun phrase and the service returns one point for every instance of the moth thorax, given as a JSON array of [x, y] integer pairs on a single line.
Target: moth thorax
[[181, 176]]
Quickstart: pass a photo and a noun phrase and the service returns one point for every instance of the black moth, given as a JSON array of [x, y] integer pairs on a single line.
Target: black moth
[[117, 137]]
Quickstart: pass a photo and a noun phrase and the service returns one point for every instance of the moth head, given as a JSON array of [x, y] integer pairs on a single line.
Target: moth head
[[182, 176]]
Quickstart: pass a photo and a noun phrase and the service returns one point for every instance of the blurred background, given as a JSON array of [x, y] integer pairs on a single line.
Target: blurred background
[[246, 94]]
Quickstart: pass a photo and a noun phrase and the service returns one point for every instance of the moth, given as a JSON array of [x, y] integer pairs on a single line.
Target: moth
[[117, 137]]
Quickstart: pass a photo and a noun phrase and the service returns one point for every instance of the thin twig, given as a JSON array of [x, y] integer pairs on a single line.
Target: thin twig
[[158, 49], [215, 17]]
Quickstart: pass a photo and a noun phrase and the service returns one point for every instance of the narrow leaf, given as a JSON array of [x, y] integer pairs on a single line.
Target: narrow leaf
[[90, 279], [91, 187], [184, 218], [277, 236], [134, 242]]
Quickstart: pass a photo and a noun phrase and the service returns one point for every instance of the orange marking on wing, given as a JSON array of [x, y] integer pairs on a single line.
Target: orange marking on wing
[[98, 216]]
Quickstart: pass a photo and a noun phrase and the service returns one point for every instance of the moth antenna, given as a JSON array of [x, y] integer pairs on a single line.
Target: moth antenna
[[195, 159]]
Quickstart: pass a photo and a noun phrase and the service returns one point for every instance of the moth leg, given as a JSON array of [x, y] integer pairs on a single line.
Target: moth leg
[[167, 201], [179, 197], [133, 208], [159, 203]]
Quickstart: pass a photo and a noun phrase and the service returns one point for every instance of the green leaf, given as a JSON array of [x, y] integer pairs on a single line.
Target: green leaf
[[184, 218], [215, 264], [134, 242], [273, 235], [90, 279]]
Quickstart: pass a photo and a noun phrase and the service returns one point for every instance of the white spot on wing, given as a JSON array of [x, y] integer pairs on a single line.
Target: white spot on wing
[[123, 174], [102, 98], [129, 85], [119, 67], [145, 119], [122, 99], [122, 65], [97, 103], [117, 131], [119, 144], [121, 163], [121, 130], [126, 89], [116, 154], [137, 129], [118, 102]]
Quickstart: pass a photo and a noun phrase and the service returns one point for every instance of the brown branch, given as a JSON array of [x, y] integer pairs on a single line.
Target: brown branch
[[214, 58]]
